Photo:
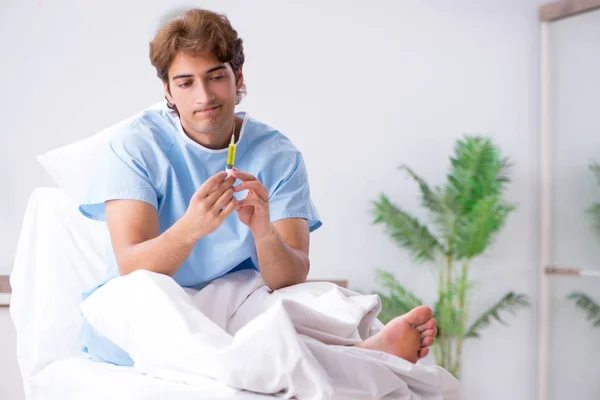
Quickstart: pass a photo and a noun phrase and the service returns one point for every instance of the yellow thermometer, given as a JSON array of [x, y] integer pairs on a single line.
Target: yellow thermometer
[[230, 156]]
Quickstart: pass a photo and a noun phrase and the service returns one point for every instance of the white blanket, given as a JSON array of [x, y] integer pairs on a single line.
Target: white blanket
[[293, 342]]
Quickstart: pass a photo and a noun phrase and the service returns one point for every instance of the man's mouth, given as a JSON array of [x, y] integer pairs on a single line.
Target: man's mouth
[[207, 109]]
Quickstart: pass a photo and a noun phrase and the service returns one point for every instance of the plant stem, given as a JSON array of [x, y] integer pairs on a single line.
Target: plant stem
[[449, 276], [463, 316], [441, 359], [437, 353], [449, 309]]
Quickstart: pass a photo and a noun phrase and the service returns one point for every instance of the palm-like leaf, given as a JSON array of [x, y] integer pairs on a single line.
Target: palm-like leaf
[[588, 305], [476, 230], [477, 171], [594, 210], [469, 167], [502, 177], [429, 198], [435, 201], [474, 189], [389, 282], [390, 308], [399, 300], [511, 302], [406, 230], [595, 168], [582, 300]]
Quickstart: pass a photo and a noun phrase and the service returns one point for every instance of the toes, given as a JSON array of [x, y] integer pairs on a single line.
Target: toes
[[423, 352], [428, 337], [418, 316], [429, 324], [429, 332]]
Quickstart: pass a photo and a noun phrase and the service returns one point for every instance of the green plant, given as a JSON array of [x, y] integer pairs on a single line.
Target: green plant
[[587, 305], [582, 300], [467, 212]]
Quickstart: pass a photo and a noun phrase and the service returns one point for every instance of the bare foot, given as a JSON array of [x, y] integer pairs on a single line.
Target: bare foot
[[407, 336]]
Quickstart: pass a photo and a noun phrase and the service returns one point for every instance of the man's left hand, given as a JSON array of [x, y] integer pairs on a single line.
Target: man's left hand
[[253, 210]]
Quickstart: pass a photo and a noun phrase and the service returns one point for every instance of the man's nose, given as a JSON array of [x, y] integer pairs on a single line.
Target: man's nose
[[203, 94]]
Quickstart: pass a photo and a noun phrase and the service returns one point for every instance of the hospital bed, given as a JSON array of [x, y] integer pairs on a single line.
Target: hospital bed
[[59, 254]]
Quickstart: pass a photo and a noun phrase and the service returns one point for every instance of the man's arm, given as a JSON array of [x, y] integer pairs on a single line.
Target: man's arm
[[282, 246], [283, 253], [134, 228], [134, 231]]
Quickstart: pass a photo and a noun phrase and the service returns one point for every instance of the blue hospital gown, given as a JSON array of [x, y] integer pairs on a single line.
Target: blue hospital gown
[[153, 160]]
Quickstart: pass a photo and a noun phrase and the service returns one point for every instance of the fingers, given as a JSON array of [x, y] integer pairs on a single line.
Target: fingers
[[211, 184], [256, 186], [228, 209], [423, 352], [223, 200], [243, 176], [223, 187], [251, 201], [428, 341]]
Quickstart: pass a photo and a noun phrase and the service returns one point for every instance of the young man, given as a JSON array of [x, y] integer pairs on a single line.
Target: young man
[[171, 209]]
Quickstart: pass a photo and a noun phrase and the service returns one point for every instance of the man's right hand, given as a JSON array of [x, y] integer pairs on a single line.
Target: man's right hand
[[135, 228], [210, 205]]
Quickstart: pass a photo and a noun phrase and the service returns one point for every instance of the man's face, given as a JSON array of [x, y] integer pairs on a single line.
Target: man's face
[[204, 91]]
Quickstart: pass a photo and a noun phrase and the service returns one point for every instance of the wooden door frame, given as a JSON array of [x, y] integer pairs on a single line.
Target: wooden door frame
[[548, 14]]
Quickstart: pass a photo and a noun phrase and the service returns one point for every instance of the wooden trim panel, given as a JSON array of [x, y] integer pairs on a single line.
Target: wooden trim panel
[[566, 8], [4, 284]]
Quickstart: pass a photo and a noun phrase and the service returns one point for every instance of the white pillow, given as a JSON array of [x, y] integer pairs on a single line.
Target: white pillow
[[72, 166], [60, 254]]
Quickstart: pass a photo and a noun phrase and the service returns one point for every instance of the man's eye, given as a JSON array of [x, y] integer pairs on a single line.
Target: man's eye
[[217, 78], [185, 84]]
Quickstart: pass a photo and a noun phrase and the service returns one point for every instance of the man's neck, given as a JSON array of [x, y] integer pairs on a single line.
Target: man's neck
[[217, 141]]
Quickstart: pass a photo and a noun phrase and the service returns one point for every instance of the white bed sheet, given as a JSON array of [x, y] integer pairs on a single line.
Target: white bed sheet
[[81, 378]]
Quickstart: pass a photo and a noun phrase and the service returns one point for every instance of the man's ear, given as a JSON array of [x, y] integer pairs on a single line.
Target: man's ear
[[168, 92], [239, 80]]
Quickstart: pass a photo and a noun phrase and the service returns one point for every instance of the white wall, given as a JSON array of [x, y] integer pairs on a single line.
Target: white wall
[[376, 86], [575, 141]]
